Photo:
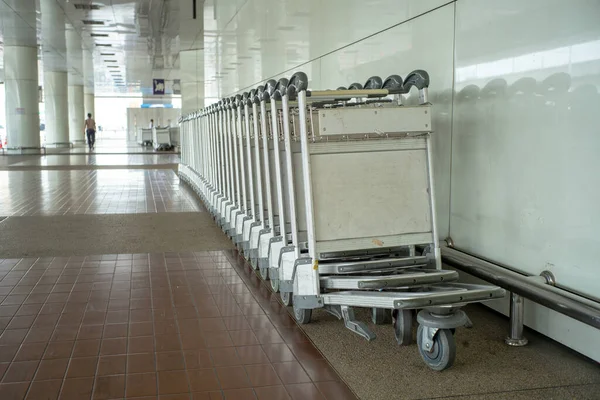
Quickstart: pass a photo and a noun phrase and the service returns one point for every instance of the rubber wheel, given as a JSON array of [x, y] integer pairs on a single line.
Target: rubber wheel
[[302, 315], [443, 352], [275, 285], [380, 316], [264, 273], [286, 297], [402, 321]]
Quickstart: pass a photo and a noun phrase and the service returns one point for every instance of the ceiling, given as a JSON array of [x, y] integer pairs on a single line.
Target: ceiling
[[122, 44]]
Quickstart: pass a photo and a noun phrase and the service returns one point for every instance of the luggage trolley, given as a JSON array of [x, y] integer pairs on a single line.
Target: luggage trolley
[[368, 201], [145, 136]]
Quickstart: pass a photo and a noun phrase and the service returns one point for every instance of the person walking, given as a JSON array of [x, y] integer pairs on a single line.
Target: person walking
[[90, 130]]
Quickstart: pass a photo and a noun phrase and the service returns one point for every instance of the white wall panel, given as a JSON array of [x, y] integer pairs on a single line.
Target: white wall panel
[[523, 188]]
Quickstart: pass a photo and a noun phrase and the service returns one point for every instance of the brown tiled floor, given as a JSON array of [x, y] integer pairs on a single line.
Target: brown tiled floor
[[93, 192], [172, 326]]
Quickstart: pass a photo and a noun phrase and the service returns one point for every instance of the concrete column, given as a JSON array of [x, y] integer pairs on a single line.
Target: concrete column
[[55, 74], [75, 80], [22, 95], [89, 104], [76, 114], [57, 110], [88, 89]]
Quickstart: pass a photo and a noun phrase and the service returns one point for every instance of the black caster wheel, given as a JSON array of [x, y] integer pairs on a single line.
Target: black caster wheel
[[402, 321], [443, 352], [302, 315]]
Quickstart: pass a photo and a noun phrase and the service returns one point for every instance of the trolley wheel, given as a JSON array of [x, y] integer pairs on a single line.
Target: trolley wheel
[[286, 297], [302, 315], [275, 285], [264, 273], [402, 322], [380, 316], [443, 351]]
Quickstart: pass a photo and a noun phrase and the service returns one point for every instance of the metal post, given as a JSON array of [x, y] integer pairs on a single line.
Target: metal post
[[517, 308]]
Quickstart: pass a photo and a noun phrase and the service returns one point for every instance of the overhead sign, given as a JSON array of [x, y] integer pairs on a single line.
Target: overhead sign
[[158, 86]]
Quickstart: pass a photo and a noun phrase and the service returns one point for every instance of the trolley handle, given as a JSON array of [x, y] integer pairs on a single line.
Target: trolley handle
[[257, 94], [269, 89], [281, 88], [418, 78], [393, 83], [297, 83], [373, 82]]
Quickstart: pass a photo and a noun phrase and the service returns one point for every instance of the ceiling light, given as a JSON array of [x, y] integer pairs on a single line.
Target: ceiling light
[[107, 54], [112, 66], [99, 34], [110, 61], [103, 45], [81, 6], [92, 22]]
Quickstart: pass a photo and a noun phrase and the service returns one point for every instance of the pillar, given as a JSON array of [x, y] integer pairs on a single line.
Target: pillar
[[55, 74], [57, 111], [89, 100], [89, 104], [22, 95], [75, 91], [76, 114]]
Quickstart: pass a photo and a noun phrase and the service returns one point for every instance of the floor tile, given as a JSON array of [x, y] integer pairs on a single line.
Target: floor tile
[[21, 371], [143, 362], [262, 375], [138, 385], [13, 391], [167, 361], [291, 372], [172, 382], [77, 388], [52, 369], [232, 377], [47, 390], [82, 367], [109, 387], [112, 365], [271, 393], [304, 391], [203, 380]]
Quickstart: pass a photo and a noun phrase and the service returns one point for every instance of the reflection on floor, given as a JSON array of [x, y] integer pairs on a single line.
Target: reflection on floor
[[93, 192]]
